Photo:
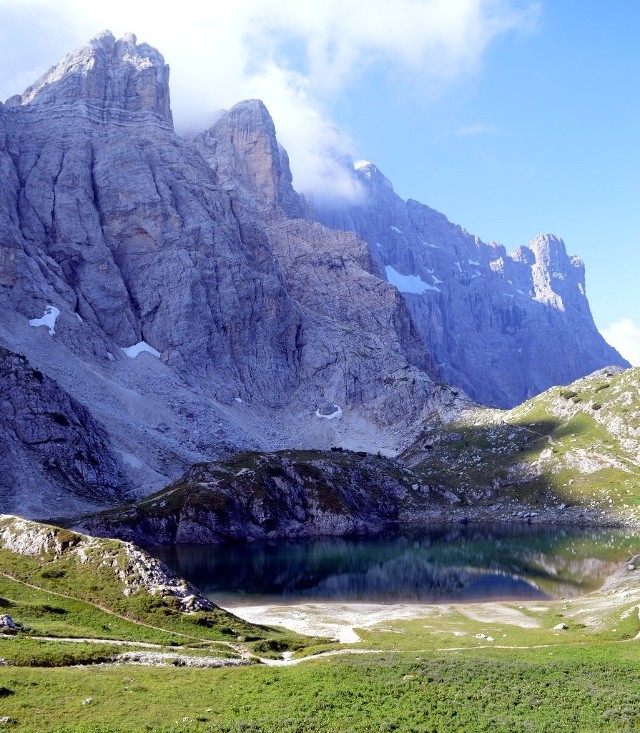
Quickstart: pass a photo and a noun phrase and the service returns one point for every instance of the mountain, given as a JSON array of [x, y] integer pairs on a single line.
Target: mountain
[[502, 326], [162, 284], [167, 301]]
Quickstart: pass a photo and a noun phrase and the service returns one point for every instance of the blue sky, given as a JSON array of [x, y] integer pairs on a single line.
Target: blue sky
[[511, 117]]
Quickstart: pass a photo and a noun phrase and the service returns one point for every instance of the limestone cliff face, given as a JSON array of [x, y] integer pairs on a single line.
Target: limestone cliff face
[[503, 326], [175, 308], [124, 224], [359, 335]]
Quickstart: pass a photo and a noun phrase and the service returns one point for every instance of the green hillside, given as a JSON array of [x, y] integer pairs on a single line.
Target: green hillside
[[570, 448]]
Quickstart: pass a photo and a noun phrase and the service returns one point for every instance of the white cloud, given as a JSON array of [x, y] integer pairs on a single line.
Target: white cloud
[[294, 55], [624, 335]]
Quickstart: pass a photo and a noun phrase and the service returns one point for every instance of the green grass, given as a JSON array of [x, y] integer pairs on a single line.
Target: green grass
[[431, 673], [577, 689], [46, 614], [22, 651]]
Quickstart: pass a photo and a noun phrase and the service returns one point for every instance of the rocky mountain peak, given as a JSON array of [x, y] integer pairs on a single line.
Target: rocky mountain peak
[[372, 178], [108, 75], [242, 147], [549, 249]]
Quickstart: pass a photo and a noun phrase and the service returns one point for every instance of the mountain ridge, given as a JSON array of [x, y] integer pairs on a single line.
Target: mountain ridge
[[501, 326]]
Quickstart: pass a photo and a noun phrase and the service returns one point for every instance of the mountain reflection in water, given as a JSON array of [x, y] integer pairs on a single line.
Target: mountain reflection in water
[[427, 565]]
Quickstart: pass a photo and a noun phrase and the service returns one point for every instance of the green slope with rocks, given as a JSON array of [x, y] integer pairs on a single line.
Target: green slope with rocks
[[56, 584], [571, 453]]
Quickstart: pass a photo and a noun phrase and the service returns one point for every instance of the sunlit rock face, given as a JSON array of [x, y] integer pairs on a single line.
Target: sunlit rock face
[[503, 326]]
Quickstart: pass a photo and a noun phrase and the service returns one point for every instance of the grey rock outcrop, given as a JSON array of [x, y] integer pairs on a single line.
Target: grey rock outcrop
[[502, 326], [51, 445]]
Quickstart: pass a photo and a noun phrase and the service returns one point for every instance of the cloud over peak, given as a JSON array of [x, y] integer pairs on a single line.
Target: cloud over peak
[[295, 56]]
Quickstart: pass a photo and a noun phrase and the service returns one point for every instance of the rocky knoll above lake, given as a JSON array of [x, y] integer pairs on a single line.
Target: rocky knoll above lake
[[257, 496], [126, 570]]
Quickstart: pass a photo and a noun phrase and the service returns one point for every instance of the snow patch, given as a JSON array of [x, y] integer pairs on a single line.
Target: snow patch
[[335, 415], [473, 262], [408, 283], [48, 319], [133, 351], [395, 229], [239, 400]]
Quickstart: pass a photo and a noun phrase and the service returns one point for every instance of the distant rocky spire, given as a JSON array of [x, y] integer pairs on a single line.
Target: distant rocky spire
[[242, 146]]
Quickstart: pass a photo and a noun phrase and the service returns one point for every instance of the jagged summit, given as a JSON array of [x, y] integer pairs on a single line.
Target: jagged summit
[[117, 75]]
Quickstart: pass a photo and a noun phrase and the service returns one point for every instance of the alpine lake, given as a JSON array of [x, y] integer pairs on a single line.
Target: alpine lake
[[427, 565]]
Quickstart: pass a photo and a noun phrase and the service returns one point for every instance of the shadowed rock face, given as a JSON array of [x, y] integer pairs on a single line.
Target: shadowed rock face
[[51, 444], [503, 326]]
